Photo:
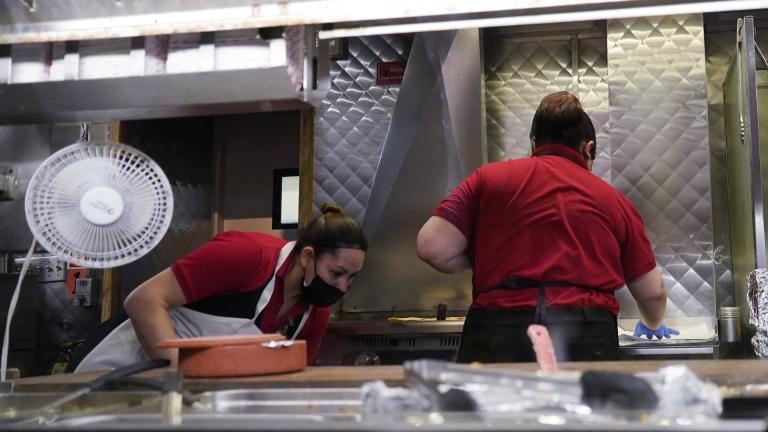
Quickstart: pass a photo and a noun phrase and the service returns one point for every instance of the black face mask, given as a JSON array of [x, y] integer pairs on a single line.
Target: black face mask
[[319, 292]]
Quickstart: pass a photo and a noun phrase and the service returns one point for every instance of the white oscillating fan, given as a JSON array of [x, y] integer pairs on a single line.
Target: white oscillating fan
[[96, 205], [99, 205]]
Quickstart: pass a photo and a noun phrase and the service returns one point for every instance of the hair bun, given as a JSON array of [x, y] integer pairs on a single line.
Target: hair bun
[[330, 208]]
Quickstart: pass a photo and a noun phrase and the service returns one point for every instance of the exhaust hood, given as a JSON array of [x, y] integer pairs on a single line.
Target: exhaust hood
[[157, 76], [177, 95]]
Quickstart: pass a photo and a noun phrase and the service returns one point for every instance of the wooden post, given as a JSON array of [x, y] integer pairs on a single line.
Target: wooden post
[[306, 164], [111, 294], [217, 193]]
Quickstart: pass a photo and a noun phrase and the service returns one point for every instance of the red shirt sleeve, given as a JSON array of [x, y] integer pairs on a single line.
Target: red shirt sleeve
[[232, 262], [460, 206], [637, 256]]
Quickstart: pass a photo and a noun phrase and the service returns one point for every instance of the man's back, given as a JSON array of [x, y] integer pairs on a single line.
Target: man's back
[[548, 218]]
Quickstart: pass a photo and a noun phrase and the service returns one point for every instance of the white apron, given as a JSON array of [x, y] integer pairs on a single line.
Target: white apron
[[121, 347]]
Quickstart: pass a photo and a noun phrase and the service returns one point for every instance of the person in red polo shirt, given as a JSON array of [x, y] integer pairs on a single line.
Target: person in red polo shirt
[[240, 283], [548, 243]]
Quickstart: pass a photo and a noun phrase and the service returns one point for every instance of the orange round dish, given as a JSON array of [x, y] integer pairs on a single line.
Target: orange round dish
[[229, 356]]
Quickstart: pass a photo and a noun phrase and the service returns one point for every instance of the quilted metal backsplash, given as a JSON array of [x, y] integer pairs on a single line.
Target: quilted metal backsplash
[[651, 70], [659, 150], [593, 93], [518, 74], [352, 123]]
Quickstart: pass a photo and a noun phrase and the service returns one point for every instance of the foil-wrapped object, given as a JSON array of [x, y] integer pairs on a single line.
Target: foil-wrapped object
[[757, 299], [436, 389], [681, 391]]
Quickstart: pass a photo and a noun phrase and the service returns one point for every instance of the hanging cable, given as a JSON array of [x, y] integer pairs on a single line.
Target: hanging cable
[[761, 55], [31, 5], [11, 309]]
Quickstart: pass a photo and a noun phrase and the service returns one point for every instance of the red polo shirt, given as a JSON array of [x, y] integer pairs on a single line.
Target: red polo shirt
[[547, 218], [235, 264]]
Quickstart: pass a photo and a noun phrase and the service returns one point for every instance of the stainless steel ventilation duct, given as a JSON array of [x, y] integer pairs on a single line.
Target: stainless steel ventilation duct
[[434, 142]]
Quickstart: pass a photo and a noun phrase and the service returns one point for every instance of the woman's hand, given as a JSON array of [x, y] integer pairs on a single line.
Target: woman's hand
[[660, 333]]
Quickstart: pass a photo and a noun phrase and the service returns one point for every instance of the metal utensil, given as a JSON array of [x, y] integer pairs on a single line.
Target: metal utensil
[[277, 344], [49, 412]]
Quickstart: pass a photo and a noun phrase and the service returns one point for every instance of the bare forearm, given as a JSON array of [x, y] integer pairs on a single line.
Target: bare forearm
[[152, 324], [652, 311], [651, 297]]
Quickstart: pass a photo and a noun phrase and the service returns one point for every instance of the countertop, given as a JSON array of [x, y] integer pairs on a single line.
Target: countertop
[[722, 372]]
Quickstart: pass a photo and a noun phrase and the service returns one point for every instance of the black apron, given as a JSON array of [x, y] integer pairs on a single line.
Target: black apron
[[578, 334]]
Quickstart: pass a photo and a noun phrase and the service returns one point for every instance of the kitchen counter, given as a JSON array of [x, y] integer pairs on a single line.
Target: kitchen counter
[[722, 372], [303, 401], [390, 340]]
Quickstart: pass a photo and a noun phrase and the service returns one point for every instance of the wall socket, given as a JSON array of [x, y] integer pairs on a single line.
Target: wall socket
[[86, 292], [51, 269], [48, 268]]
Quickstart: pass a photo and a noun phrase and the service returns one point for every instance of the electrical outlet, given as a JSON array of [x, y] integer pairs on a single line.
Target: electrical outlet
[[86, 292], [48, 268], [51, 269]]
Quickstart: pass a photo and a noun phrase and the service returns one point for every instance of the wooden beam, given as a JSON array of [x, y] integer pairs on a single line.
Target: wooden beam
[[306, 164], [217, 191], [111, 293]]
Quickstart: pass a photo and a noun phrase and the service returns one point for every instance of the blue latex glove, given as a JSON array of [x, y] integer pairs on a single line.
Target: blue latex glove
[[662, 332]]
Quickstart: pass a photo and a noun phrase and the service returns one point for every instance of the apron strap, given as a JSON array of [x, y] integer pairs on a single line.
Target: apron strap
[[541, 302], [304, 318], [266, 294]]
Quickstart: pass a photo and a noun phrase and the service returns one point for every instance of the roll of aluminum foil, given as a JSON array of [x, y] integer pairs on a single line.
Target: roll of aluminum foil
[[757, 299]]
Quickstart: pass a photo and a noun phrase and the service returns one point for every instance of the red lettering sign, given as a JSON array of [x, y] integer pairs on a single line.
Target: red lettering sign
[[390, 73]]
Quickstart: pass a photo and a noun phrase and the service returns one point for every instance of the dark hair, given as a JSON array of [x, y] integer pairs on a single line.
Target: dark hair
[[331, 230], [560, 119]]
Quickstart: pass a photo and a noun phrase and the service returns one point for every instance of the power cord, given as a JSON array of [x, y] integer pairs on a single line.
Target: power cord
[[11, 309]]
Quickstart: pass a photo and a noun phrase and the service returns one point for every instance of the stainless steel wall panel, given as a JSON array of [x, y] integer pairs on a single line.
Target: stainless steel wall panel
[[24, 327], [517, 76], [352, 123], [656, 71], [23, 149], [593, 74], [719, 49], [593, 93], [59, 321], [659, 150]]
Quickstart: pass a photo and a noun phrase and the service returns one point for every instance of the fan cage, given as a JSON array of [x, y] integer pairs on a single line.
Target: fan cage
[[52, 204]]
